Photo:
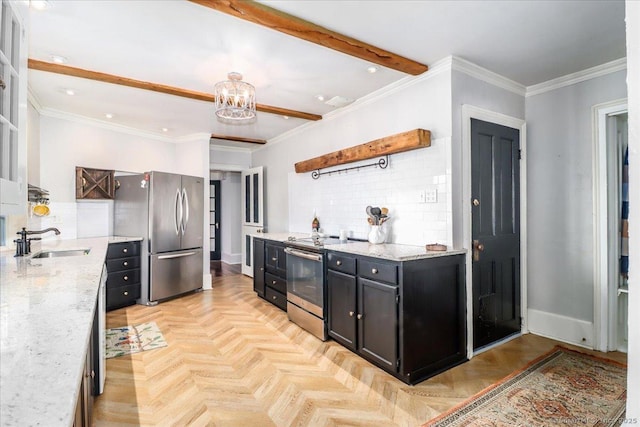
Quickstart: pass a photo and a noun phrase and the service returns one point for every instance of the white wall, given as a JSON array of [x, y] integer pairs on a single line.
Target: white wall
[[65, 144], [33, 146], [560, 205], [340, 200], [633, 82]]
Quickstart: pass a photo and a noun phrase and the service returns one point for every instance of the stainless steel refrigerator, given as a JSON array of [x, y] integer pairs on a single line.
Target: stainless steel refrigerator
[[167, 210]]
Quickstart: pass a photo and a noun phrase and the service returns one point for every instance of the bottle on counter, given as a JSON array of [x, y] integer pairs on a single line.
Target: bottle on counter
[[315, 224]]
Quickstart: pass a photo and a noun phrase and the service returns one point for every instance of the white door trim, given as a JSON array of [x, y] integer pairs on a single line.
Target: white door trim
[[603, 325], [471, 112]]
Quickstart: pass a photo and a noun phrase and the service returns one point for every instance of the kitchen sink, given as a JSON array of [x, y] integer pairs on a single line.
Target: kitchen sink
[[61, 253]]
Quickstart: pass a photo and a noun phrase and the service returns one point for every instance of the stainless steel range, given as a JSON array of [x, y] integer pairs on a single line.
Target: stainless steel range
[[306, 292]]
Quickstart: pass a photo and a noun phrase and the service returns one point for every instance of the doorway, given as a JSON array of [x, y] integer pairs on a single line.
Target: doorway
[[214, 220], [610, 225], [465, 203]]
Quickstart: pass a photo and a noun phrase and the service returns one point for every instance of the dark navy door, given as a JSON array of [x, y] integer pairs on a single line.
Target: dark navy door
[[495, 198]]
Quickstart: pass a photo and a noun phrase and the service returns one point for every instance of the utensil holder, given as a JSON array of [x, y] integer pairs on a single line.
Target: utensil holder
[[377, 234]]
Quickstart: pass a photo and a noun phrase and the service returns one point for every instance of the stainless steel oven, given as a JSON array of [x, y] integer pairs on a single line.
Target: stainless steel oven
[[305, 289]]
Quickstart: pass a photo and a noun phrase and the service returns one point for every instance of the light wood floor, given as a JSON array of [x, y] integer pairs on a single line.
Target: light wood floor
[[235, 360]]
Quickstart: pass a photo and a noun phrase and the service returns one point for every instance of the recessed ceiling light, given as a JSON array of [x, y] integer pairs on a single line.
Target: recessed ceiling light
[[320, 97], [70, 92], [285, 117], [109, 116], [40, 4], [372, 69], [165, 130], [58, 59]]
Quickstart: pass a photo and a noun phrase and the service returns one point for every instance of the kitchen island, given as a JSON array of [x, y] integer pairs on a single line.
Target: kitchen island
[[47, 309]]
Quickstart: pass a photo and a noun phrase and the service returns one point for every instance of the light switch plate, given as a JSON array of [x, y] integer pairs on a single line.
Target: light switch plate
[[431, 195]]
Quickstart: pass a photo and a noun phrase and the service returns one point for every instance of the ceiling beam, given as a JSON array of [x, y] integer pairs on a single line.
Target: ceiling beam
[[276, 20], [50, 67], [238, 139]]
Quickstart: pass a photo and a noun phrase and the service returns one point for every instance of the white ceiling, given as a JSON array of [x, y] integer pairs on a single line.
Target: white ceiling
[[182, 44]]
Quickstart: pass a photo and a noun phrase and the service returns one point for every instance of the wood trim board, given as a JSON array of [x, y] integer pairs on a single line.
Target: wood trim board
[[398, 143]]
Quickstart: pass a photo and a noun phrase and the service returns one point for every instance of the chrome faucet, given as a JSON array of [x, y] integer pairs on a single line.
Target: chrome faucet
[[23, 245]]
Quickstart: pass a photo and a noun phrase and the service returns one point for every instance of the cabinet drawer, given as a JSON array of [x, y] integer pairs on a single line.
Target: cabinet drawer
[[377, 270], [120, 264], [122, 295], [275, 282], [276, 298], [340, 262], [125, 277], [125, 249]]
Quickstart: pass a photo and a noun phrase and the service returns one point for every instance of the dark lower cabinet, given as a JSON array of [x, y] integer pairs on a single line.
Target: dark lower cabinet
[[270, 272], [378, 322], [258, 266], [341, 310], [406, 317], [123, 274]]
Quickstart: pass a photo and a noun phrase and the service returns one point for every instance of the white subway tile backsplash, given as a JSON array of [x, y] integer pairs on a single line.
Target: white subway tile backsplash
[[339, 199]]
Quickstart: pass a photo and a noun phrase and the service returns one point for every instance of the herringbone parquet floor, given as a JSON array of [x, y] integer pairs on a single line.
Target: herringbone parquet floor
[[233, 359]]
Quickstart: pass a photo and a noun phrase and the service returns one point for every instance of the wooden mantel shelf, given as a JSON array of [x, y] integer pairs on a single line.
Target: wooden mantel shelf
[[406, 141]]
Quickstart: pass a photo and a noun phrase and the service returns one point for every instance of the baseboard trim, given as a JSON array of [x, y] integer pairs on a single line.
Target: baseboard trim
[[206, 281], [231, 258], [561, 328]]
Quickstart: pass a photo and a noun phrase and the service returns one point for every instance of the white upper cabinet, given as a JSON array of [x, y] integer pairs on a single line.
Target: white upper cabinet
[[13, 109]]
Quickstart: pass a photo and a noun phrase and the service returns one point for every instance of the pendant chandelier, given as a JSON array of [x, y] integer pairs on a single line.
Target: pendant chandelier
[[235, 100]]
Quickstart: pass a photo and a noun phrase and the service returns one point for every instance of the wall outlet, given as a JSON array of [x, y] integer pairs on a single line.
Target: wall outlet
[[431, 195]]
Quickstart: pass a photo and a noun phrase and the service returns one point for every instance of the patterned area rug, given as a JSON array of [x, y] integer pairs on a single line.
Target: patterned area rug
[[563, 387], [133, 339]]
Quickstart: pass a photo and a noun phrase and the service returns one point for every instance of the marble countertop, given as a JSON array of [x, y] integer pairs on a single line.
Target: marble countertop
[[46, 314], [390, 251]]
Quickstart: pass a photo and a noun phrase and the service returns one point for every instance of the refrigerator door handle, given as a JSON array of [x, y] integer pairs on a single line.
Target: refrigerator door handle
[[177, 211], [185, 202], [176, 255]]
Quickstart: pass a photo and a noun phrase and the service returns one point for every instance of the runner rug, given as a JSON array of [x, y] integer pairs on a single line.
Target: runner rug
[[562, 388], [133, 339]]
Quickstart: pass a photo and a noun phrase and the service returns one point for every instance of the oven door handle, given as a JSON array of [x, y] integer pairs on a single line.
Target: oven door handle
[[306, 255]]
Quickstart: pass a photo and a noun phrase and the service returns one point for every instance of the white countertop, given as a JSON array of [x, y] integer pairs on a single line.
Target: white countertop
[[46, 315], [390, 251]]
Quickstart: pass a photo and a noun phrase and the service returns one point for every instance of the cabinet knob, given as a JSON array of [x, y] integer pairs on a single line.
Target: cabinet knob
[[274, 259], [125, 250], [273, 282], [126, 293], [374, 271], [126, 277], [275, 297], [125, 263], [261, 269], [351, 313], [359, 316], [338, 262]]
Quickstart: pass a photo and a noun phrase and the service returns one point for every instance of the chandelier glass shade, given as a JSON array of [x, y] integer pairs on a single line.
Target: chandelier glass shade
[[235, 100]]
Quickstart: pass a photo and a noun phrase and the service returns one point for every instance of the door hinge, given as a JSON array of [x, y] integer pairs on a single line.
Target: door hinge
[[397, 299], [519, 154], [398, 363]]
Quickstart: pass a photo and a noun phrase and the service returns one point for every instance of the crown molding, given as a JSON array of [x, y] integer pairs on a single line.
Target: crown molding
[[577, 77], [33, 99], [480, 73], [57, 114], [194, 137]]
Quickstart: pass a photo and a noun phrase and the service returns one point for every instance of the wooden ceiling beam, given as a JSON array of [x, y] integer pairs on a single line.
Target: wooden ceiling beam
[[276, 20], [238, 139], [35, 64]]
